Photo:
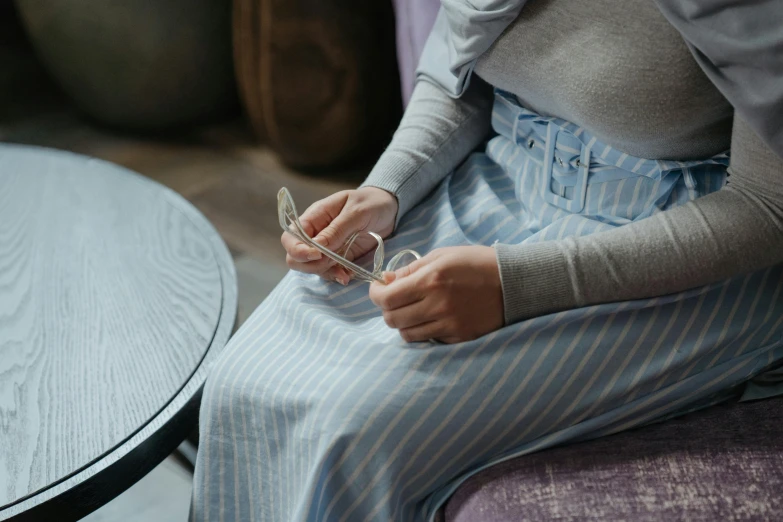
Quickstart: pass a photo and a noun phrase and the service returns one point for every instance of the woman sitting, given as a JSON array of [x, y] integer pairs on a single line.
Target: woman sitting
[[602, 264]]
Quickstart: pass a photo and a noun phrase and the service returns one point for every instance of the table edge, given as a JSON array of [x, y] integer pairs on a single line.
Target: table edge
[[109, 475]]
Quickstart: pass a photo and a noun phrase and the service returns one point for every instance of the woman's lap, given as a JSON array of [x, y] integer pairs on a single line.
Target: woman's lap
[[350, 426]]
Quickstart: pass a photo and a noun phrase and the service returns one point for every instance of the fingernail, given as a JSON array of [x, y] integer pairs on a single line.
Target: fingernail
[[343, 281], [314, 255], [389, 276]]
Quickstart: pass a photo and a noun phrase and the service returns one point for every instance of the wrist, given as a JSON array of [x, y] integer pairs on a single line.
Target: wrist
[[491, 267], [384, 204], [376, 192]]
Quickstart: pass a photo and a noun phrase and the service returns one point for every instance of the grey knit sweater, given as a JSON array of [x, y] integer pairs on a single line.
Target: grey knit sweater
[[617, 68]]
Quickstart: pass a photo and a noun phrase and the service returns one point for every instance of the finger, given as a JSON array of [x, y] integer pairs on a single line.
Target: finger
[[397, 293], [422, 332], [402, 286], [299, 251], [337, 274], [322, 212], [337, 232], [417, 264], [414, 314], [310, 267], [315, 218]]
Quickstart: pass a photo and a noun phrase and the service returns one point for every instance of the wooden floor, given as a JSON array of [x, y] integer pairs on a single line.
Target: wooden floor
[[219, 168]]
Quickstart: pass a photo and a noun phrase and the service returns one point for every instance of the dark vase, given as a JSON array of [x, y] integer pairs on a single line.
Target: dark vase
[[138, 64]]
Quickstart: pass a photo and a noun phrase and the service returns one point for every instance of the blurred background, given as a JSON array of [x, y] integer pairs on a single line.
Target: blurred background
[[224, 103]]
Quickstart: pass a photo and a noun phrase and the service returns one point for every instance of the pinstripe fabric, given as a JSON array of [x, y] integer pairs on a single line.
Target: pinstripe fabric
[[318, 412]]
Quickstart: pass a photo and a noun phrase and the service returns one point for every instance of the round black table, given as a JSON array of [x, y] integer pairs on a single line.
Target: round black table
[[115, 297]]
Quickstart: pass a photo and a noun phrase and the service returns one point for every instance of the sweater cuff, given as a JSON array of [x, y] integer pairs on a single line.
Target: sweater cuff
[[392, 173], [535, 280]]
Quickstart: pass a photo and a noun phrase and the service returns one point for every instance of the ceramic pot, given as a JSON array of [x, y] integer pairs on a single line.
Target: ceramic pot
[[138, 64]]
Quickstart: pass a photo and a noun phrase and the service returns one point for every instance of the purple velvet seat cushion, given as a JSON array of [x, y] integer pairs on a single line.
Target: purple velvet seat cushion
[[724, 463]]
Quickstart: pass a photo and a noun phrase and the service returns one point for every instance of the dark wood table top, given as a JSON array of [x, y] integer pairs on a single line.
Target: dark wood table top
[[115, 296]]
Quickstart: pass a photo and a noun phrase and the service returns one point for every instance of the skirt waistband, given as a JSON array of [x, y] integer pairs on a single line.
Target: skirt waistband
[[568, 142], [571, 158]]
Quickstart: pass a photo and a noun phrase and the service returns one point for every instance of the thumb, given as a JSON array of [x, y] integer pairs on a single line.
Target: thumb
[[334, 235], [320, 214], [407, 270]]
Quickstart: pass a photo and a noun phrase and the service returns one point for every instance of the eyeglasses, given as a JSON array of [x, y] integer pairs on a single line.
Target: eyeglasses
[[289, 221]]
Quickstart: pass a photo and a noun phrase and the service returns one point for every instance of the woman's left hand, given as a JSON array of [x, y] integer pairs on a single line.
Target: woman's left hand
[[452, 295]]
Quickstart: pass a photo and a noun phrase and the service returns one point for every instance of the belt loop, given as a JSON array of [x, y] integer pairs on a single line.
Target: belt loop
[[577, 203], [581, 180], [690, 182], [515, 127], [549, 153]]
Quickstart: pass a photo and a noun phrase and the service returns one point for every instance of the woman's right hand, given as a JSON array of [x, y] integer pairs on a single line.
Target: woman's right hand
[[331, 221]]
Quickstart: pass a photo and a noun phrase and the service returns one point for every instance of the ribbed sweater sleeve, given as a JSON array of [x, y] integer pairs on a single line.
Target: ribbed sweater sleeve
[[736, 230], [435, 135]]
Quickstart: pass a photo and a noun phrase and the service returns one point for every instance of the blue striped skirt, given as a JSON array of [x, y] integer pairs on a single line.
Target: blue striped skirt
[[317, 411]]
